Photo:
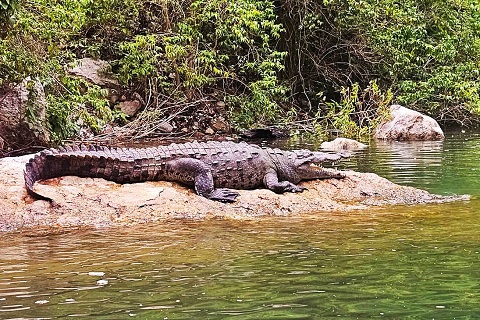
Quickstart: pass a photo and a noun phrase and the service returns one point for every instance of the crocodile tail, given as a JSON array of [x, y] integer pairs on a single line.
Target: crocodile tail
[[36, 169], [119, 165], [48, 164]]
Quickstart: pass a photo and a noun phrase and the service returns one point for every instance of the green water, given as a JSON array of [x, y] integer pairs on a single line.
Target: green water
[[404, 262]]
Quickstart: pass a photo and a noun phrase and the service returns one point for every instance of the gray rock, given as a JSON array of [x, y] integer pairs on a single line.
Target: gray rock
[[407, 124], [343, 144], [22, 115], [93, 71], [165, 127]]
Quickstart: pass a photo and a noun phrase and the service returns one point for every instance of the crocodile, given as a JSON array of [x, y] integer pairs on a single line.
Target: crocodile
[[212, 168]]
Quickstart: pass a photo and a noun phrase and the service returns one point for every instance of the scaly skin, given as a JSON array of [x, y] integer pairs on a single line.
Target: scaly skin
[[213, 168]]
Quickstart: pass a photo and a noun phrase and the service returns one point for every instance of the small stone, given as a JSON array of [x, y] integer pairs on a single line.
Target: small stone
[[219, 124], [220, 105], [165, 127], [114, 99], [198, 135], [138, 97], [129, 107], [209, 131]]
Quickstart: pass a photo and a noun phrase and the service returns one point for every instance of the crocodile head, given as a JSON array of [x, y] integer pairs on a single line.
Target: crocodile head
[[308, 164]]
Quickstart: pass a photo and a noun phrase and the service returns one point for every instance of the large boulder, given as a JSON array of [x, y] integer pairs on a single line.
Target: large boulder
[[22, 115], [407, 124]]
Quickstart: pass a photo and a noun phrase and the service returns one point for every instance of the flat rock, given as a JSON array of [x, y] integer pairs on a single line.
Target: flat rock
[[101, 203], [407, 124]]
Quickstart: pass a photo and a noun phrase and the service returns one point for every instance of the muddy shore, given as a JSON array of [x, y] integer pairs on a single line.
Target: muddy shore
[[100, 203]]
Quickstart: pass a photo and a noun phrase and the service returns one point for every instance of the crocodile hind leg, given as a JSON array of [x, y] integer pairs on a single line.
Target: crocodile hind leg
[[193, 171]]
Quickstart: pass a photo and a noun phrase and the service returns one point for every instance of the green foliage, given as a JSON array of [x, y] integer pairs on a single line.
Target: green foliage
[[430, 49], [49, 34], [140, 59], [231, 42], [359, 111], [78, 104], [259, 106], [333, 61], [7, 10]]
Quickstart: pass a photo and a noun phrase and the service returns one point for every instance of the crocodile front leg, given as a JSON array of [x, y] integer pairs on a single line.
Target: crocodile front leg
[[193, 171], [271, 182]]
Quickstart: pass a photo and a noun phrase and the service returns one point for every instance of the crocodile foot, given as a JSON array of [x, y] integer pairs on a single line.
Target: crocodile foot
[[294, 188], [223, 195]]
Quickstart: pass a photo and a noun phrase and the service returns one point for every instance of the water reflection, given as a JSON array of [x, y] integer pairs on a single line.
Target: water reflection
[[411, 154]]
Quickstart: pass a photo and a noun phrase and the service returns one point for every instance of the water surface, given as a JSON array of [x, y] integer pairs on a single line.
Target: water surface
[[402, 262]]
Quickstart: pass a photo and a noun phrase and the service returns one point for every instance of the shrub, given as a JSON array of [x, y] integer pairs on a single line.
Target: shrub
[[430, 49], [231, 45], [77, 104], [359, 111]]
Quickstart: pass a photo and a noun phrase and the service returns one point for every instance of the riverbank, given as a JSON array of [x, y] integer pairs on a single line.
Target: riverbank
[[100, 203]]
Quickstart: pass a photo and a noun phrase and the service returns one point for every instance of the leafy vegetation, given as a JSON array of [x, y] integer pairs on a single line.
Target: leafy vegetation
[[430, 51], [330, 64]]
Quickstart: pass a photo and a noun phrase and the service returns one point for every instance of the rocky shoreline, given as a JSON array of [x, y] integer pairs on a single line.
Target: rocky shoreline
[[100, 203]]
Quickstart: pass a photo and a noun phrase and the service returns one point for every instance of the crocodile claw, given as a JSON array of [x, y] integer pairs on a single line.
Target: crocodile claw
[[295, 189], [223, 195]]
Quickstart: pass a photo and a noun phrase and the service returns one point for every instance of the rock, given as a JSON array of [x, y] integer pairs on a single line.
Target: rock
[[22, 115], [165, 127], [209, 131], [138, 97], [101, 203], [94, 71], [219, 124], [407, 124], [343, 144], [129, 107]]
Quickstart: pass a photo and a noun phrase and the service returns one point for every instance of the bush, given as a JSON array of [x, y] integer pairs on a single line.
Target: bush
[[231, 46], [430, 49], [77, 104], [324, 63], [359, 111]]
